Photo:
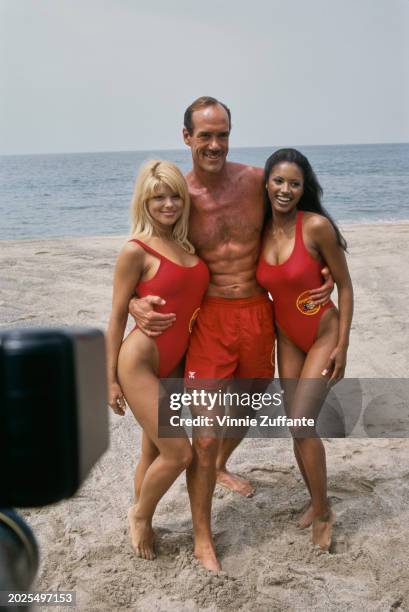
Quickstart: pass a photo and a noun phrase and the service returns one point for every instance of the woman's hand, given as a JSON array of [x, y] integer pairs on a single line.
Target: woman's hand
[[116, 399], [336, 365]]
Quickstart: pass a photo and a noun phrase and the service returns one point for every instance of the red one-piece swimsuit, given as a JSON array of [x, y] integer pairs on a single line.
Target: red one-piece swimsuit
[[289, 284], [183, 289]]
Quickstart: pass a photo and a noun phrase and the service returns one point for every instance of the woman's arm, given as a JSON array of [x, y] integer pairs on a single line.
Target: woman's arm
[[128, 271], [324, 238]]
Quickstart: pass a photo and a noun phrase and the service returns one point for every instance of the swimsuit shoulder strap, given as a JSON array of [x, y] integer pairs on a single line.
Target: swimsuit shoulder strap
[[146, 247], [299, 240], [298, 225]]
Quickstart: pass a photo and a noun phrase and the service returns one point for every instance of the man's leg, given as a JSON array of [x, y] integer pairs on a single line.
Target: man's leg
[[227, 479], [201, 479], [256, 363], [224, 476], [210, 358]]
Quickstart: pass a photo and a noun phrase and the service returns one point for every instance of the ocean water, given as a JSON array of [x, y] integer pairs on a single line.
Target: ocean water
[[82, 194]]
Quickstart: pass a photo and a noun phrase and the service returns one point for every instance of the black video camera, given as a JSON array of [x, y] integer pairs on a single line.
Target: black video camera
[[53, 429]]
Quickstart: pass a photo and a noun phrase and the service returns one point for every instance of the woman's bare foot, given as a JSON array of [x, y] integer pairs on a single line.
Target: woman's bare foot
[[322, 530], [206, 555], [142, 535], [306, 518], [235, 483]]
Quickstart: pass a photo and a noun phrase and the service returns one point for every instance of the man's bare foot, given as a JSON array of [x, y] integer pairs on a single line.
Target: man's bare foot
[[235, 483], [206, 555], [306, 518], [142, 535], [322, 530]]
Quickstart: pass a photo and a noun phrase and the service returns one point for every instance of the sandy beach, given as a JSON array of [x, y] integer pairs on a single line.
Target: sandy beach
[[268, 563]]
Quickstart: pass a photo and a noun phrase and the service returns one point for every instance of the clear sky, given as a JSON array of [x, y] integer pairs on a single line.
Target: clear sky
[[102, 75]]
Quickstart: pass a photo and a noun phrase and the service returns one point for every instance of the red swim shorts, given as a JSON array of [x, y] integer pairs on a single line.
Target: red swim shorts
[[232, 338]]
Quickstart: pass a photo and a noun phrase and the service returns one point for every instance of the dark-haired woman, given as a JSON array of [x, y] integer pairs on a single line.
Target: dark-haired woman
[[300, 237]]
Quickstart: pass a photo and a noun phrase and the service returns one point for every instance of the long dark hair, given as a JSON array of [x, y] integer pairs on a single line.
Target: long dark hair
[[311, 198]]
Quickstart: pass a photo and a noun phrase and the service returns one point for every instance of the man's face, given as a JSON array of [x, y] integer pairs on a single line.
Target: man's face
[[209, 142]]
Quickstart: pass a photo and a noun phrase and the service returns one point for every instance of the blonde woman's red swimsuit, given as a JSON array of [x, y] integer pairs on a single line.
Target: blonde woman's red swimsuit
[[289, 284], [183, 289]]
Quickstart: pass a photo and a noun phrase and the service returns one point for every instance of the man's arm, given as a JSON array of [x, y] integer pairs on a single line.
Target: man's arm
[[149, 321]]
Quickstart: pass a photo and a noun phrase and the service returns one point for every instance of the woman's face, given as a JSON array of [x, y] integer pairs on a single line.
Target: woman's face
[[285, 186], [165, 206]]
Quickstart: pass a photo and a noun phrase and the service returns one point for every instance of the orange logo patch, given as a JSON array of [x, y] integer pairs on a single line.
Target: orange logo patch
[[305, 305], [193, 319]]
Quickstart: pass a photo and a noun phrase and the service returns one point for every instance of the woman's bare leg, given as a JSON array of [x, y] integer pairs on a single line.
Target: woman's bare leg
[[149, 452], [290, 361], [308, 399], [140, 387]]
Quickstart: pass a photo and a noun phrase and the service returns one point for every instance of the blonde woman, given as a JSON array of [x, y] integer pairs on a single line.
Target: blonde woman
[[157, 260]]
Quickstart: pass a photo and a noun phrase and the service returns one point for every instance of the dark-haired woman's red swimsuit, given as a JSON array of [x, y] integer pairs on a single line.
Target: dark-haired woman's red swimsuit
[[183, 289], [289, 284]]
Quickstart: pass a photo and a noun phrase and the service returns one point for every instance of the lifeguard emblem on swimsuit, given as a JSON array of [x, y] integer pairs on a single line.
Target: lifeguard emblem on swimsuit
[[305, 305]]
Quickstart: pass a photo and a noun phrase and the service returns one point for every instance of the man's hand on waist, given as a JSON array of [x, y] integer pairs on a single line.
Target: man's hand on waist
[[152, 323], [322, 295]]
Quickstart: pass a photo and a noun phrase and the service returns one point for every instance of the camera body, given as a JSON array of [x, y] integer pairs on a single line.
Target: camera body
[[53, 412]]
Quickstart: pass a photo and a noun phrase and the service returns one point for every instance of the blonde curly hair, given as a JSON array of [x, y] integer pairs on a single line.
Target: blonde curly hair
[[152, 176]]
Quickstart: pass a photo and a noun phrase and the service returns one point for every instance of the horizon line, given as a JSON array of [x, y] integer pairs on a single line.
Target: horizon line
[[99, 152]]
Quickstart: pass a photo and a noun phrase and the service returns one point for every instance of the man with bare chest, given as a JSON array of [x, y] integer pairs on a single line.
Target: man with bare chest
[[233, 336]]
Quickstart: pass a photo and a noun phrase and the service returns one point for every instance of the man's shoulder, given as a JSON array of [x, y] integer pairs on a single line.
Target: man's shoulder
[[189, 175], [245, 170]]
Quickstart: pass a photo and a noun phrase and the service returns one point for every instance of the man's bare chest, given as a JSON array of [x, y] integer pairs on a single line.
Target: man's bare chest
[[213, 224]]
